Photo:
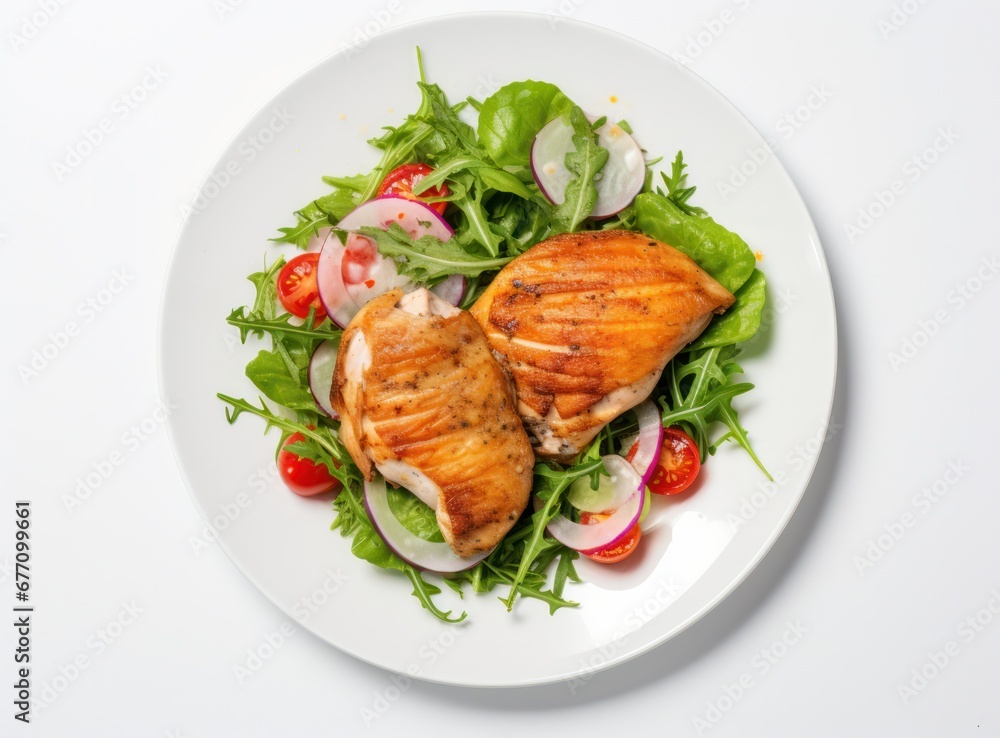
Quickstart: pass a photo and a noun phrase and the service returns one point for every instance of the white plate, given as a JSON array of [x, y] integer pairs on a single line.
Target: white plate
[[692, 556]]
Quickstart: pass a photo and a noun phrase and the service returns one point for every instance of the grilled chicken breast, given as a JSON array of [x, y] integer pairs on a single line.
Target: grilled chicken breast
[[423, 401], [586, 322]]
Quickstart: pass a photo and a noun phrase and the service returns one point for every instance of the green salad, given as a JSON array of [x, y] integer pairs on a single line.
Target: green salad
[[481, 182]]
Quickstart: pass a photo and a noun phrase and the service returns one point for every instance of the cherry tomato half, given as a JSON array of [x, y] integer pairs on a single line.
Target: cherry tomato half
[[679, 463], [621, 550], [401, 180], [297, 289], [304, 476]]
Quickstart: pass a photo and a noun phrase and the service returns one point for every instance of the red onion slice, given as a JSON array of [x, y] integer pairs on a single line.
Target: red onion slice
[[321, 366], [414, 550], [650, 440], [590, 538]]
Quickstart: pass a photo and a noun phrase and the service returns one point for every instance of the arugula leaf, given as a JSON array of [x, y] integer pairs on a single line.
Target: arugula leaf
[[511, 117], [565, 571], [718, 251], [489, 176], [451, 133], [520, 223], [584, 162], [549, 485], [398, 147], [677, 193], [320, 213], [324, 437], [254, 322], [741, 321], [474, 227], [265, 289], [701, 392], [428, 260], [308, 221]]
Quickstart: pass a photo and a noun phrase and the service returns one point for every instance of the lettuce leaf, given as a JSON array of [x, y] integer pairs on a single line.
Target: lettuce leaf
[[511, 117], [716, 249], [414, 514]]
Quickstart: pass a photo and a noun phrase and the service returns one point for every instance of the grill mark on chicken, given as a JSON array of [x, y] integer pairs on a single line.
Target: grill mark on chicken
[[435, 399], [580, 317]]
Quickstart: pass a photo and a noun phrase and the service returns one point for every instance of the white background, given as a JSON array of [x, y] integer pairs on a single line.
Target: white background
[[893, 76]]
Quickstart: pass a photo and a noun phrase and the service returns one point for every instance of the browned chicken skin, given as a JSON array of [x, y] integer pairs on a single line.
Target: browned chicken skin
[[586, 322], [423, 401]]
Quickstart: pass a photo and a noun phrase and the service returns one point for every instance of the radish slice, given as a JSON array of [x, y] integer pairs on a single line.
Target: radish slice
[[415, 218], [414, 550], [590, 538], [650, 440], [321, 366], [617, 183], [330, 283], [451, 290], [351, 274]]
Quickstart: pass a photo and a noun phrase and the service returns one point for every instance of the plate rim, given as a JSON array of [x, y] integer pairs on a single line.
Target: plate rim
[[170, 276]]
